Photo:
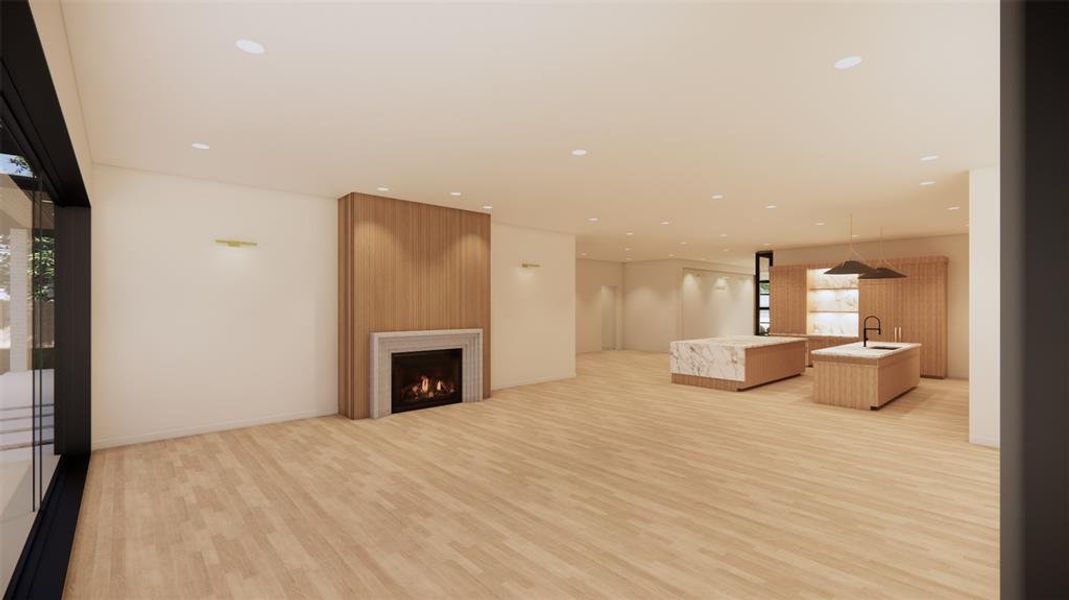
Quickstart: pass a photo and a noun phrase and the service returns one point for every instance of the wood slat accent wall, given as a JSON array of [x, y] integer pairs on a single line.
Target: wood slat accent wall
[[405, 266]]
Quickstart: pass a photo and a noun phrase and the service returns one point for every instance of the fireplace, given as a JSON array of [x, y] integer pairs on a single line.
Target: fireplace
[[401, 359], [425, 378]]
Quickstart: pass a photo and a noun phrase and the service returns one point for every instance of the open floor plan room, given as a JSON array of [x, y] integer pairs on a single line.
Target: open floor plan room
[[533, 300], [616, 483]]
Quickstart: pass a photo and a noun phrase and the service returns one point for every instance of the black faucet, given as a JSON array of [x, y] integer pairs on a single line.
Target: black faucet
[[865, 333]]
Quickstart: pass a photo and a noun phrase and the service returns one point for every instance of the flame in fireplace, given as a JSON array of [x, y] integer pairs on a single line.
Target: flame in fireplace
[[428, 388]]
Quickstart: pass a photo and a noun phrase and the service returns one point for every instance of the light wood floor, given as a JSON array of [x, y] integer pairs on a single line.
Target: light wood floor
[[614, 484]]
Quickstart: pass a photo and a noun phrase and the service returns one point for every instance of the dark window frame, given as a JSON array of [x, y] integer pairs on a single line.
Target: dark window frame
[[757, 291]]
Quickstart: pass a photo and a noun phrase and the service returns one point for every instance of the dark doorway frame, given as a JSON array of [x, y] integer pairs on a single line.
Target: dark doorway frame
[[1034, 250], [32, 112]]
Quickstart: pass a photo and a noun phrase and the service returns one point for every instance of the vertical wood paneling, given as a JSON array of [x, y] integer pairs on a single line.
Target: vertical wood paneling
[[916, 304], [922, 316], [788, 303], [407, 266], [865, 383]]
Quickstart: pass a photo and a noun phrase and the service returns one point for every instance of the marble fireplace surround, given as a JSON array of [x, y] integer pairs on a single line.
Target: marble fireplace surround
[[385, 343]]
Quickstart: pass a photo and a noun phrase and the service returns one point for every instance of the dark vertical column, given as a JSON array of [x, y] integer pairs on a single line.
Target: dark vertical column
[[72, 330], [1011, 195], [1035, 300]]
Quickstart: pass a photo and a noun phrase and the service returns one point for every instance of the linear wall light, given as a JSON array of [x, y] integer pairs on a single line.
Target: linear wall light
[[235, 243]]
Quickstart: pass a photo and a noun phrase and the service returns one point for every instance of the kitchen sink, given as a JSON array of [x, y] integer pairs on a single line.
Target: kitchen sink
[[883, 348]]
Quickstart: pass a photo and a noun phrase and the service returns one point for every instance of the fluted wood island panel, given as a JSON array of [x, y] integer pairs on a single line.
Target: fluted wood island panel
[[406, 266]]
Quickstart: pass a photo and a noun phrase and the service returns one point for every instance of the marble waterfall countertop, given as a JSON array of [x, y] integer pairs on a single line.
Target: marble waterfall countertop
[[875, 350], [722, 357]]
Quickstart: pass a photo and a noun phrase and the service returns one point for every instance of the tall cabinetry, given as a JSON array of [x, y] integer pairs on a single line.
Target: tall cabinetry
[[913, 309], [787, 301]]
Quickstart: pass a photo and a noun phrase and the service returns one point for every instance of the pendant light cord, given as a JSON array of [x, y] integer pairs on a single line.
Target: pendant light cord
[[853, 251]]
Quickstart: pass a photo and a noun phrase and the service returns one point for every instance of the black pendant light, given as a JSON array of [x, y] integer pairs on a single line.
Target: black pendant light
[[850, 266], [882, 271]]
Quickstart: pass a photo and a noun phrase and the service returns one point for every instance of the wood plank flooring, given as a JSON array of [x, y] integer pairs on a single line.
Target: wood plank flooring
[[614, 484]]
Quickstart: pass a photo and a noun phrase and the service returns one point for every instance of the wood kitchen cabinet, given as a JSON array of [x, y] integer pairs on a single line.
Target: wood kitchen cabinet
[[912, 309], [915, 306], [787, 299]]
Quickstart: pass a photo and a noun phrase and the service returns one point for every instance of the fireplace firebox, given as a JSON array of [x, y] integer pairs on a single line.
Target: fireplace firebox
[[426, 378]]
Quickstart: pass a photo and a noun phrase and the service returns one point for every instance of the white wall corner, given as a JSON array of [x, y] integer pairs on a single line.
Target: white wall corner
[[984, 306]]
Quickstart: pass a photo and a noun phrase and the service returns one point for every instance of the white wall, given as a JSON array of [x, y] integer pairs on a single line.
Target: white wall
[[651, 305], [717, 304], [954, 247], [653, 310], [48, 17], [190, 336], [591, 277], [532, 324], [984, 306]]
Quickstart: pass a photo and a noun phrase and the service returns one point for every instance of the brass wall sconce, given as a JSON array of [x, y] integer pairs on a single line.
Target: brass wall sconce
[[235, 243]]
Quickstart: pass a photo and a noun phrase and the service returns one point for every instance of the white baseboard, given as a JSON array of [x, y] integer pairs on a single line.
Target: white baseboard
[[532, 381], [980, 440], [168, 434]]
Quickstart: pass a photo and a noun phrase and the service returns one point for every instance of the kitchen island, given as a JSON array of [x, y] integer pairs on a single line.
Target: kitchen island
[[856, 376], [737, 362]]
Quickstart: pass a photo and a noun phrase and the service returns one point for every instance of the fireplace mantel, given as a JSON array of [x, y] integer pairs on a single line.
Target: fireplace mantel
[[385, 343]]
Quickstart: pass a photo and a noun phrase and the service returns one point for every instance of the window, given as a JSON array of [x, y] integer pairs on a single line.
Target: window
[[763, 298]]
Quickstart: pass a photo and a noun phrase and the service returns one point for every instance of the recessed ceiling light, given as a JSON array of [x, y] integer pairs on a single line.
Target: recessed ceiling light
[[953, 208], [727, 249], [847, 62], [666, 222], [454, 194], [718, 196], [579, 152], [682, 243], [250, 46], [930, 157], [630, 233], [582, 254], [768, 243], [592, 219], [627, 249], [819, 223], [382, 188], [856, 235], [673, 255], [927, 183], [487, 207], [771, 206], [723, 235], [201, 146]]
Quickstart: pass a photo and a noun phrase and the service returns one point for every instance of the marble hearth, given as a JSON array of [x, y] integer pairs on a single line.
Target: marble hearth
[[385, 343]]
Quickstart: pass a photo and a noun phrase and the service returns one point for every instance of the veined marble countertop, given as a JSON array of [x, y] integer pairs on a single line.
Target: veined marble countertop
[[742, 341], [856, 350], [722, 357]]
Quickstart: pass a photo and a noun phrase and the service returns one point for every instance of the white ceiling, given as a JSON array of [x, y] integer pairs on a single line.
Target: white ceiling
[[675, 103]]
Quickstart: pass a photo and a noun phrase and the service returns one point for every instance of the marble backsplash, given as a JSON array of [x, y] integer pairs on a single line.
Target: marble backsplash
[[833, 323], [833, 300]]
